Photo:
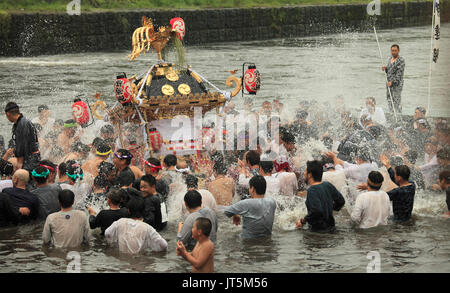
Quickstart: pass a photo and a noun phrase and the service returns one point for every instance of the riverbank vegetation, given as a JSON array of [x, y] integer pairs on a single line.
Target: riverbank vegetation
[[104, 5]]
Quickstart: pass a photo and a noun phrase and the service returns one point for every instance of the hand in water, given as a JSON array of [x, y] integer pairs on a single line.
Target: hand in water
[[236, 220]]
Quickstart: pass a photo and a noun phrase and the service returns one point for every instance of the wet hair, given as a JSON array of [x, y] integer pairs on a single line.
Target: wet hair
[[204, 224], [40, 179], [97, 141], [154, 161], [287, 137], [301, 114], [443, 154], [395, 45], [41, 108], [115, 196], [252, 158], [411, 156], [126, 153], [421, 110], [105, 168], [191, 181], [107, 129], [12, 108], [259, 184], [220, 168], [76, 100], [193, 199], [136, 207], [50, 164], [327, 160], [125, 179], [315, 168], [102, 147], [149, 179], [403, 171], [170, 160], [266, 166], [79, 147], [377, 178], [372, 99], [66, 198], [445, 175], [74, 169], [6, 168], [100, 181], [363, 153], [396, 161], [62, 168]]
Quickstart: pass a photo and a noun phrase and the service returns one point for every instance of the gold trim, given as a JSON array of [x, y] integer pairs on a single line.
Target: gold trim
[[238, 85], [184, 89]]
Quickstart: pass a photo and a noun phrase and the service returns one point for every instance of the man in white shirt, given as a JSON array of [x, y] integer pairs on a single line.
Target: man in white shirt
[[273, 183], [372, 208], [376, 114], [208, 199]]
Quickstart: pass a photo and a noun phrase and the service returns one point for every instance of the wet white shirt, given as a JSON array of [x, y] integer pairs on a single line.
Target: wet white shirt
[[337, 178], [5, 184], [288, 183], [134, 236], [377, 117], [358, 173], [273, 186], [371, 209]]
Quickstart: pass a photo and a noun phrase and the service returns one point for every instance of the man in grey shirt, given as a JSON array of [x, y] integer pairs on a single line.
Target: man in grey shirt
[[46, 193], [258, 211], [193, 202]]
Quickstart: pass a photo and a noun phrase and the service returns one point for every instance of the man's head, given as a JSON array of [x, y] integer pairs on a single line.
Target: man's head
[[114, 197], [43, 111], [192, 199], [74, 171], [252, 158], [12, 111], [53, 168], [371, 104], [6, 168], [66, 198], [444, 179], [100, 182], [443, 157], [411, 156], [122, 158], [266, 167], [20, 178], [152, 166], [103, 150], [40, 175], [136, 207], [219, 168], [170, 161], [288, 140], [148, 185], [327, 163], [395, 50], [258, 186], [191, 182], [313, 172], [374, 180], [70, 126], [431, 145], [362, 155], [201, 226], [107, 131], [419, 112], [126, 179], [402, 173], [107, 170]]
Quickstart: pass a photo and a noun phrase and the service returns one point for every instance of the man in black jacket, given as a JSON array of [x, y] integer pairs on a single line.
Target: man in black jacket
[[321, 199], [24, 138], [152, 201]]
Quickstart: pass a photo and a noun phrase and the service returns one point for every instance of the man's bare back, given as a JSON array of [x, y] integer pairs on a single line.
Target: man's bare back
[[223, 190]]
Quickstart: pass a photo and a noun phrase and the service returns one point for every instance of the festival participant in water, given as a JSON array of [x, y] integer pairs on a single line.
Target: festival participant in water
[[21, 197], [258, 212], [208, 199], [98, 194], [102, 154], [273, 185], [108, 171], [68, 227], [169, 165], [202, 256], [62, 176], [78, 152], [24, 138], [153, 210], [376, 114], [395, 69], [44, 120], [46, 193], [122, 159], [443, 158], [302, 127], [67, 137], [402, 197], [420, 136], [53, 168], [442, 133], [152, 166], [444, 183], [249, 167], [222, 187], [288, 179], [105, 218], [321, 199], [357, 172], [416, 175], [419, 113], [335, 177], [6, 173], [132, 234], [75, 184], [193, 203], [372, 208], [107, 132]]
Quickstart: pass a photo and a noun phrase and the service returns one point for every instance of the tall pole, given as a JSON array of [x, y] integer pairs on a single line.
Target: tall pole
[[385, 74], [431, 58]]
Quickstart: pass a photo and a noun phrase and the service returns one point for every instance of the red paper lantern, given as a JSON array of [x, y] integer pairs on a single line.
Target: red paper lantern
[[155, 139], [80, 112], [122, 89], [252, 80], [178, 26]]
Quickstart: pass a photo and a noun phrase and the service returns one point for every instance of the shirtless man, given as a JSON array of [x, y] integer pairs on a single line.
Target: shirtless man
[[101, 155], [202, 257], [222, 187], [66, 138]]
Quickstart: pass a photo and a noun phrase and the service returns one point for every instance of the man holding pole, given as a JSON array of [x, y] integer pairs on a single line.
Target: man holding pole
[[394, 73]]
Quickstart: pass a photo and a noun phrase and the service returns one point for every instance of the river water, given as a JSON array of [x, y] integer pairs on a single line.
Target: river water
[[316, 68]]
